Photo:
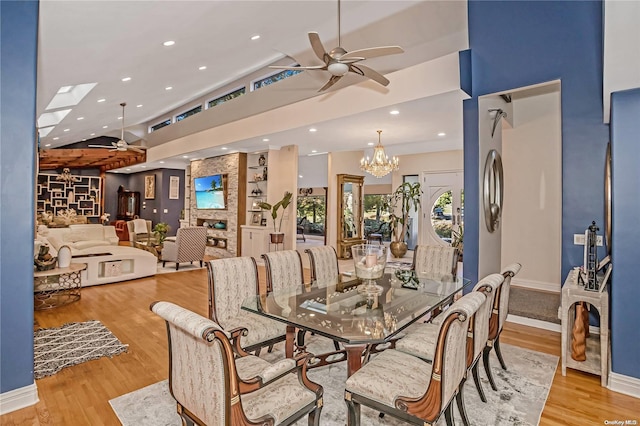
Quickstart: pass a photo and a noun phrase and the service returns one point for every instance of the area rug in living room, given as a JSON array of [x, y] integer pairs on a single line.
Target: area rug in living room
[[72, 344], [522, 393]]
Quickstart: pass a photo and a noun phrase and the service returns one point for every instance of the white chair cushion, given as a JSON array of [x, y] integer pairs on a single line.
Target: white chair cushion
[[420, 340], [280, 399], [389, 375], [259, 328], [250, 366]]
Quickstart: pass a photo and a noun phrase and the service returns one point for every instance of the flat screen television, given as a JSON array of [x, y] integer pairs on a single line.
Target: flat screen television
[[211, 191]]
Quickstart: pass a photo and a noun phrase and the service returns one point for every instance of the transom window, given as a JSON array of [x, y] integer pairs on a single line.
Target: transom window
[[189, 113], [273, 78], [227, 97], [160, 125]]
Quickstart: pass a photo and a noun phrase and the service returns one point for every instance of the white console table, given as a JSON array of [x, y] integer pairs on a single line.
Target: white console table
[[597, 361]]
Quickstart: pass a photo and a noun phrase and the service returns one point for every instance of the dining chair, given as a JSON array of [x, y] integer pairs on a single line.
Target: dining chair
[[498, 318], [405, 386], [323, 262], [435, 260], [283, 268], [232, 280], [213, 385]]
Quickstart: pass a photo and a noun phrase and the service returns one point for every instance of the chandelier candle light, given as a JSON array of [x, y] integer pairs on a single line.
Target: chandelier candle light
[[380, 165]]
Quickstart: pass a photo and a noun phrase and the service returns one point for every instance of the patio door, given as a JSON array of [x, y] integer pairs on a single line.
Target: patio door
[[442, 206]]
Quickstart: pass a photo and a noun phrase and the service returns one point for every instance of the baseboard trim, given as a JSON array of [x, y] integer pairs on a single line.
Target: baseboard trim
[[533, 323], [536, 285], [18, 398], [624, 384]]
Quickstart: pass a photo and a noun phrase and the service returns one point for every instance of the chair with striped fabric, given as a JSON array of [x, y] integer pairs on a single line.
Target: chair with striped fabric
[[324, 264], [189, 246]]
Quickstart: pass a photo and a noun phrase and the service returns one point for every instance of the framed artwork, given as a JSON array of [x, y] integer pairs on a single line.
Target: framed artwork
[[263, 221], [174, 187], [255, 205], [256, 218], [150, 187]]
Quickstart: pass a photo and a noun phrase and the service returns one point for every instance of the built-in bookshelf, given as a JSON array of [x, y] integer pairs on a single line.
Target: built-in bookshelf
[[257, 187], [80, 193]]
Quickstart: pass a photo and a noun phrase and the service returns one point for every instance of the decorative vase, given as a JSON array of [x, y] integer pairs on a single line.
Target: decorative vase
[[219, 225], [398, 248], [370, 261], [64, 257], [277, 237], [262, 160]]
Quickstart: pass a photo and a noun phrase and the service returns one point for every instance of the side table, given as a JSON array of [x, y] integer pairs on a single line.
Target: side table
[[57, 286], [597, 352]]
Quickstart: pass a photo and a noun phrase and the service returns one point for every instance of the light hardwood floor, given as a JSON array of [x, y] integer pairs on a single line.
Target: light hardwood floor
[[80, 395]]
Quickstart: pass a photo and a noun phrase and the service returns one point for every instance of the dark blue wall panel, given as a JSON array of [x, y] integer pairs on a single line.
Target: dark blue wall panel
[[19, 29], [625, 288]]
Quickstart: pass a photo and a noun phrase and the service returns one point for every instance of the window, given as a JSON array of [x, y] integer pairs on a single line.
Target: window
[[311, 212], [273, 78], [376, 215], [225, 98], [160, 125], [189, 113]]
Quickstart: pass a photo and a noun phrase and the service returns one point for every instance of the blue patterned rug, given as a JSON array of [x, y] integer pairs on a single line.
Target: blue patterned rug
[[522, 392]]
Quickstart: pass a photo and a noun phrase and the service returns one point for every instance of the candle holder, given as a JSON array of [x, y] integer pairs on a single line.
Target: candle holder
[[370, 261]]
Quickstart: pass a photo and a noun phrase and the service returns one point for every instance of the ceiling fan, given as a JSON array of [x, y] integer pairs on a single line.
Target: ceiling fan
[[339, 62], [121, 145]]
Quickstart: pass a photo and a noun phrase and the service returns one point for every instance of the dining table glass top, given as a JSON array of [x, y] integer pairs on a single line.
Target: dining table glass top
[[343, 312]]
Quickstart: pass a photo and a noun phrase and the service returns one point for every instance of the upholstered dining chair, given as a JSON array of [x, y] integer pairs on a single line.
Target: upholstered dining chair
[[189, 246], [284, 269], [213, 385], [407, 387], [435, 260], [323, 262], [497, 320], [231, 281]]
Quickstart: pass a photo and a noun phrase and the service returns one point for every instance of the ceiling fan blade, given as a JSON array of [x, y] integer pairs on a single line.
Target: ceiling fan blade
[[373, 52], [98, 146], [136, 148], [369, 73], [333, 80], [317, 46], [312, 67]]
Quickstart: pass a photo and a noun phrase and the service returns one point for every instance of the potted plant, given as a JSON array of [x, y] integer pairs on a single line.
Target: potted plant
[[457, 241], [405, 198], [277, 236], [160, 231]]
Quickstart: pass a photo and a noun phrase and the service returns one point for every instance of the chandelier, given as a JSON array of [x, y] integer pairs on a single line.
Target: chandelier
[[380, 165]]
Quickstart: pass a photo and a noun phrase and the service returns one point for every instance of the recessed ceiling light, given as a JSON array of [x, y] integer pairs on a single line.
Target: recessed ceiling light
[[313, 129], [442, 134], [84, 139], [394, 112], [169, 43], [104, 127], [128, 170], [92, 134], [314, 151], [300, 176], [66, 130], [101, 100], [144, 167], [255, 37], [161, 162], [56, 138], [202, 68], [265, 140], [120, 118], [371, 143], [185, 156], [168, 88], [139, 106], [80, 118], [48, 144], [126, 79], [224, 148]]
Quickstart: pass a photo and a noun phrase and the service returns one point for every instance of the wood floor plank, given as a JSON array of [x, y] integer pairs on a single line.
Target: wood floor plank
[[81, 394]]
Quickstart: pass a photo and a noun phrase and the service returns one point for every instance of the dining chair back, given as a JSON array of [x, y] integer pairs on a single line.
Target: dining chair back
[[323, 261], [435, 260], [283, 268]]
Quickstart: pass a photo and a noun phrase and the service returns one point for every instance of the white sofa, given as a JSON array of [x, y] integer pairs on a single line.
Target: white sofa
[[97, 247]]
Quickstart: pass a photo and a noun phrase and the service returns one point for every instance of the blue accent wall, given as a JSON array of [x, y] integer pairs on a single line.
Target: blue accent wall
[[625, 289], [18, 36], [521, 43]]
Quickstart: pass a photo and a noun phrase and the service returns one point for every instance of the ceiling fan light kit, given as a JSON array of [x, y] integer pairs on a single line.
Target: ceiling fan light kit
[[339, 62], [380, 165]]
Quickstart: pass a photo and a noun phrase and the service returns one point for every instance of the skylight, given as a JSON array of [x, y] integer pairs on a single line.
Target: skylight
[[70, 95], [52, 118]]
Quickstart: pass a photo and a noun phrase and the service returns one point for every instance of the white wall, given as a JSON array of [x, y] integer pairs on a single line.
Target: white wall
[[428, 162], [532, 216], [283, 176], [313, 170]]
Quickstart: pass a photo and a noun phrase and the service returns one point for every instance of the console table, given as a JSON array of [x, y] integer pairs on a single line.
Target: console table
[[57, 286], [597, 352]]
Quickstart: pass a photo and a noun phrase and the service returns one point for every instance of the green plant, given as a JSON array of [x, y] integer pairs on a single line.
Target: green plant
[[457, 239], [405, 198], [160, 231], [284, 203]]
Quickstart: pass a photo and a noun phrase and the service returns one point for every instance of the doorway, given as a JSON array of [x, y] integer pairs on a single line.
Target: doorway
[[442, 207]]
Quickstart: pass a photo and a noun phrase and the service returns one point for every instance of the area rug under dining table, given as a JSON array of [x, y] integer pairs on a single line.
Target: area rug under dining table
[[522, 393]]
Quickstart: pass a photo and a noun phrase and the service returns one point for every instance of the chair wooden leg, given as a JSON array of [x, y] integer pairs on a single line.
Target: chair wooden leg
[[448, 414], [496, 345], [177, 266], [353, 413], [336, 345], [270, 348], [257, 352], [314, 416], [487, 367], [476, 380], [460, 403], [163, 262]]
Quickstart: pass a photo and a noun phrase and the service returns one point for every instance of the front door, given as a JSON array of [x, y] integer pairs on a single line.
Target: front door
[[442, 206]]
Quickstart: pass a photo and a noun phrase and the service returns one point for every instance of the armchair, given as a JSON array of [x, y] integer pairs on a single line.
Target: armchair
[[140, 231], [230, 282], [190, 245], [213, 387]]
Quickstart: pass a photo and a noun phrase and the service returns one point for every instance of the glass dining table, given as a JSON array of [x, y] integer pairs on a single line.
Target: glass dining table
[[360, 321]]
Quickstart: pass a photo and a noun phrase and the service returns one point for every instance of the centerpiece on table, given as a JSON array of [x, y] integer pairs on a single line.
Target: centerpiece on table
[[370, 261]]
